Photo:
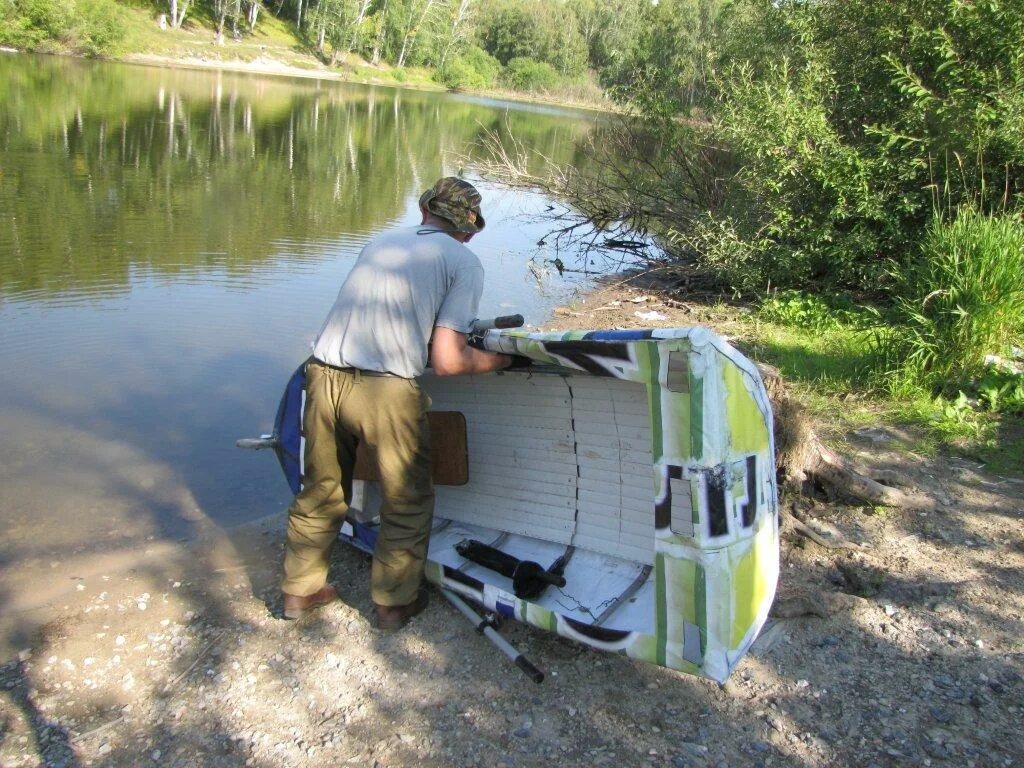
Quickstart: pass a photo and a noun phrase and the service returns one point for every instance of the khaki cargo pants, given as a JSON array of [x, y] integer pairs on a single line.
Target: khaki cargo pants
[[390, 414]]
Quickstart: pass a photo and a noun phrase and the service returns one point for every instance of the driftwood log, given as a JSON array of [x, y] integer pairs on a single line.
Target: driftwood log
[[803, 460]]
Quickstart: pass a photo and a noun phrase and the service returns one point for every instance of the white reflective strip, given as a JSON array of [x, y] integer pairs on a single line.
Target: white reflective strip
[[302, 440]]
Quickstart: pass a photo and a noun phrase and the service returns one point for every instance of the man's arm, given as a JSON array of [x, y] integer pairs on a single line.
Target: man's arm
[[451, 355]]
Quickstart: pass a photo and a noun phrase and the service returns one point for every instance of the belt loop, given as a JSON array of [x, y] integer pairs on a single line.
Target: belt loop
[[358, 375]]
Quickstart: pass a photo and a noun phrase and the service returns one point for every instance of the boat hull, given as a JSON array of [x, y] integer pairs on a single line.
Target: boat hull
[[641, 463]]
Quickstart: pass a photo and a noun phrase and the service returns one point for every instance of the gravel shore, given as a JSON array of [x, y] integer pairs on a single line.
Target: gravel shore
[[902, 647]]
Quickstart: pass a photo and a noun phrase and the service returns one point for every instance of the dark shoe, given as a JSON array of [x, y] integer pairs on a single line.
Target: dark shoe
[[392, 617], [297, 605]]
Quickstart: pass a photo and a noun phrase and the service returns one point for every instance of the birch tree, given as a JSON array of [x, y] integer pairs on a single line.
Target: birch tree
[[220, 10], [381, 19], [411, 16], [332, 23], [253, 14], [362, 9], [178, 10], [457, 29]]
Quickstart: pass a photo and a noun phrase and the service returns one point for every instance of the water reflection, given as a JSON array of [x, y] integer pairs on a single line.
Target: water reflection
[[169, 243], [109, 167]]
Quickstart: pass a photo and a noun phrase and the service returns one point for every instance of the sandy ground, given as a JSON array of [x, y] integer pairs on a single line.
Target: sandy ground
[[262, 65], [903, 649]]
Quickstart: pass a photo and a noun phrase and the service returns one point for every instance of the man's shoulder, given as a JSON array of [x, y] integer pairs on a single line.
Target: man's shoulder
[[394, 236], [427, 239]]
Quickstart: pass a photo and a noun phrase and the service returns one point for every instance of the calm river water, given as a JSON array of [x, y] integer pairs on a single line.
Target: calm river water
[[170, 241]]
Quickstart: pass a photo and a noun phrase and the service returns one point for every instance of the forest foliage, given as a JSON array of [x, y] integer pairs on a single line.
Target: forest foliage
[[863, 146], [874, 147], [526, 45]]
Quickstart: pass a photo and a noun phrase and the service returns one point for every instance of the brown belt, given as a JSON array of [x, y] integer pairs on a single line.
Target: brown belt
[[360, 371]]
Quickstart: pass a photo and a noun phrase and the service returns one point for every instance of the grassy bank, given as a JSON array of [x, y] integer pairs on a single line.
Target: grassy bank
[[133, 33], [826, 349]]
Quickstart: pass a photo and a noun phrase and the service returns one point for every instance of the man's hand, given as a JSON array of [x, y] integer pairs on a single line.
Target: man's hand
[[451, 355]]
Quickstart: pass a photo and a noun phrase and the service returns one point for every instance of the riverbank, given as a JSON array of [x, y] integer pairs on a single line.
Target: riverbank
[[896, 642], [273, 50], [263, 65]]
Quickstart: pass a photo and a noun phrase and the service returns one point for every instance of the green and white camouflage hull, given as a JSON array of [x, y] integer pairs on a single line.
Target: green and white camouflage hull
[[640, 461]]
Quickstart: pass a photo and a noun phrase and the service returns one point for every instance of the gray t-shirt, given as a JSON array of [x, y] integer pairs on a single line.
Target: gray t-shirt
[[404, 282]]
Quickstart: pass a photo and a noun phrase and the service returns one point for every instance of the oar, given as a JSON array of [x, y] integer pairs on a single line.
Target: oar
[[484, 627]]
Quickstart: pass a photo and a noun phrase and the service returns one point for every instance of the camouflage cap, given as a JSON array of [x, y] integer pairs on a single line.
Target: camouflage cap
[[457, 201]]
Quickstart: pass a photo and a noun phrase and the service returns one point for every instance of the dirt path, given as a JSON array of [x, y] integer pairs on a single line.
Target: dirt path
[[906, 650]]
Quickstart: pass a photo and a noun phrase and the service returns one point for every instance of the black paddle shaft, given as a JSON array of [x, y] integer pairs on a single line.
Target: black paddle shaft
[[528, 578]]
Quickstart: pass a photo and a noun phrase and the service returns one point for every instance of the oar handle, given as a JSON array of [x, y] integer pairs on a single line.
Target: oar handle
[[257, 443], [502, 321]]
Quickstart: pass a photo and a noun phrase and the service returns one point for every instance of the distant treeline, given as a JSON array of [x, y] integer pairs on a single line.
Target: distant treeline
[[525, 45]]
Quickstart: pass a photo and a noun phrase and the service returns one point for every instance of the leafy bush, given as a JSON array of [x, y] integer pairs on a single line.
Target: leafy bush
[[99, 29], [805, 202], [473, 68], [1002, 391], [818, 313], [547, 32], [30, 23], [92, 27], [528, 75], [960, 302], [845, 123]]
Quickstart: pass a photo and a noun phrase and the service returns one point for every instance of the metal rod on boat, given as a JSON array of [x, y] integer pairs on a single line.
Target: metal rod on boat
[[503, 645], [258, 443], [503, 321]]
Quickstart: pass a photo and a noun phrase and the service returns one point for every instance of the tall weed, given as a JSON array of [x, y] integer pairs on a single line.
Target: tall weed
[[962, 300], [91, 27]]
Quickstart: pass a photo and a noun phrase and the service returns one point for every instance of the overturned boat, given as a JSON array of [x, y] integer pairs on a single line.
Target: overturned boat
[[620, 492]]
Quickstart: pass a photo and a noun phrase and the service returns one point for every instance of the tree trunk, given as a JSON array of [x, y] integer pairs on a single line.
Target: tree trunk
[[364, 6], [401, 54], [803, 459], [178, 11], [379, 42], [460, 17], [409, 40], [254, 12]]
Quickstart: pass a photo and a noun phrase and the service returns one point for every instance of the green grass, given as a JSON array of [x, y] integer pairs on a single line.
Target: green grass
[[822, 345], [273, 38], [961, 301]]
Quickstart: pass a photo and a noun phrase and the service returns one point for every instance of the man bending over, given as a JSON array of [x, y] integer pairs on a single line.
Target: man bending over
[[411, 289]]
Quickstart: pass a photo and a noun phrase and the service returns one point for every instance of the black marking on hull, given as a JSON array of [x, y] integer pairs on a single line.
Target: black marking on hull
[[750, 507], [663, 509], [717, 504], [585, 353], [460, 578], [600, 634]]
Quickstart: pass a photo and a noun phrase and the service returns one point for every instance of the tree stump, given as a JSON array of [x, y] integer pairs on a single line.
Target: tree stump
[[803, 460]]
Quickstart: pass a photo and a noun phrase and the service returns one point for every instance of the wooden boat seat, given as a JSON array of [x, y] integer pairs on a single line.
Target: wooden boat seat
[[448, 451]]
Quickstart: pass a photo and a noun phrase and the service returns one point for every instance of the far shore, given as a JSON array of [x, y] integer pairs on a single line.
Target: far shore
[[268, 65]]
